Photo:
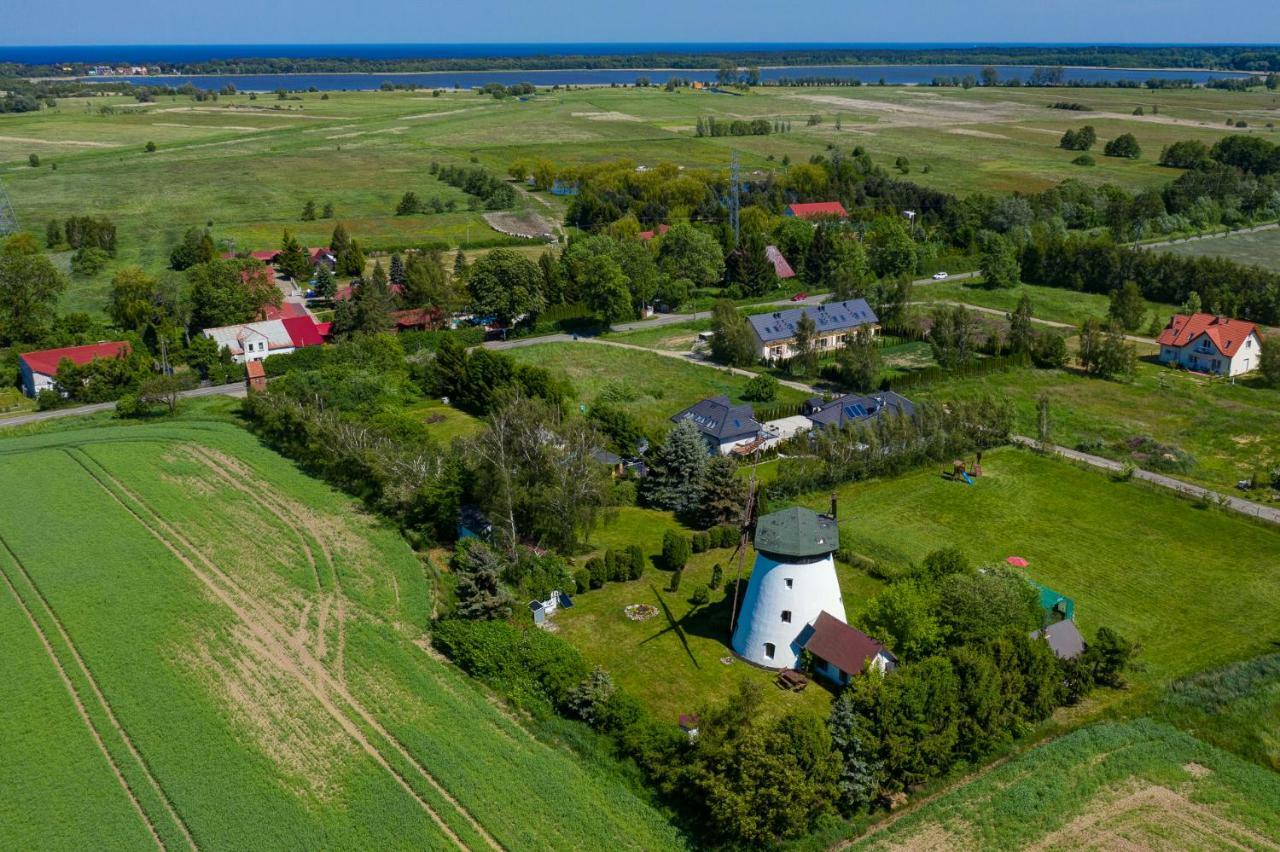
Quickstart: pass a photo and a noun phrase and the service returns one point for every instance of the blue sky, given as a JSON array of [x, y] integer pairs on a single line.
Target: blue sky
[[435, 21]]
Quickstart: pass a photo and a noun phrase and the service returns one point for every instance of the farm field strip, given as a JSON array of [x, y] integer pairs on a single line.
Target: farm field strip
[[160, 481], [118, 767], [298, 662], [57, 749]]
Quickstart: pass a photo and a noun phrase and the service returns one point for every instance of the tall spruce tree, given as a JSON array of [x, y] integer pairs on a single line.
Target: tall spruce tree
[[676, 471], [724, 494]]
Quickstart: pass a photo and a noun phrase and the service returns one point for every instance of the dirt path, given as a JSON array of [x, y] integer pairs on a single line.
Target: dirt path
[[291, 658], [75, 698]]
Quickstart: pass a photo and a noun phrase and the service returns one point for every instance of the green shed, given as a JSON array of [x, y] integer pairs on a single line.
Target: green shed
[[1057, 607]]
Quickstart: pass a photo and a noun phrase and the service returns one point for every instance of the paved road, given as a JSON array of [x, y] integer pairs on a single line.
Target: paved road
[[236, 389], [1244, 507]]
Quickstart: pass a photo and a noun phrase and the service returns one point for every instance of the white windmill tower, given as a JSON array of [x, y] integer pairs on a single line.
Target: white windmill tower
[[794, 579]]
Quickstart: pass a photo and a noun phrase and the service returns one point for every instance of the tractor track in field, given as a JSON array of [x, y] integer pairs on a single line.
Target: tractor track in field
[[292, 658], [302, 528], [78, 701]]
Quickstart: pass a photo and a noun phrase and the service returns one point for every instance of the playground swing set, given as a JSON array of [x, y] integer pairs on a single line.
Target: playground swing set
[[960, 472]]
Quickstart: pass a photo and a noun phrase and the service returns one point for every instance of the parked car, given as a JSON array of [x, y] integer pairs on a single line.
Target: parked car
[[799, 297], [939, 276]]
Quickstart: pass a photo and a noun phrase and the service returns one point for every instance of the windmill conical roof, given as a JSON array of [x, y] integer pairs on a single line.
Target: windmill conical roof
[[797, 532]]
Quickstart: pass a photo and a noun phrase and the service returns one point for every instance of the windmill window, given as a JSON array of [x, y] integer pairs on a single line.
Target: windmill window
[[786, 616], [768, 650], [790, 582]]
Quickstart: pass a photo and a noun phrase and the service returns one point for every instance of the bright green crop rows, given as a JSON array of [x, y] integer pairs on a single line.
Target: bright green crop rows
[[203, 677]]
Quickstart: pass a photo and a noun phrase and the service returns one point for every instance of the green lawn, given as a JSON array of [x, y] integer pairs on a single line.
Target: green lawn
[[1047, 303], [1236, 707], [271, 682], [651, 387], [444, 422], [1231, 430], [1138, 785], [672, 662], [1196, 587]]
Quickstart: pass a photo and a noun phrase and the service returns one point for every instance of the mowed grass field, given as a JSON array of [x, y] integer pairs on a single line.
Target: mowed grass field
[[1196, 587], [1231, 430], [651, 387], [1132, 785], [245, 167], [1261, 248], [206, 649]]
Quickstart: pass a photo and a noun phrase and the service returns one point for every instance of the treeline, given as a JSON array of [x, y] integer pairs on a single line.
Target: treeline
[[1238, 58], [713, 126], [494, 192], [1096, 264]]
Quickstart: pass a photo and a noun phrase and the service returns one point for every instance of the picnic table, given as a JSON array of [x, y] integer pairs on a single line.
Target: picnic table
[[792, 680]]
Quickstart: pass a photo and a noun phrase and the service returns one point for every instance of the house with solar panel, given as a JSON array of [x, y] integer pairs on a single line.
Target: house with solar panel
[[856, 408], [722, 424], [775, 333]]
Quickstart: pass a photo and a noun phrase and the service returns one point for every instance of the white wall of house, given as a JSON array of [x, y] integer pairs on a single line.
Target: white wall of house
[[782, 599], [1203, 356], [781, 350], [33, 382], [880, 662]]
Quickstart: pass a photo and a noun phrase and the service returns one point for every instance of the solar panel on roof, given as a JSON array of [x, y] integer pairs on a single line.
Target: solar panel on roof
[[855, 410]]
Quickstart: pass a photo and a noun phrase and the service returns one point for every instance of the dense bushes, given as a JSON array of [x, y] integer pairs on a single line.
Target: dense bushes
[[495, 192], [887, 445]]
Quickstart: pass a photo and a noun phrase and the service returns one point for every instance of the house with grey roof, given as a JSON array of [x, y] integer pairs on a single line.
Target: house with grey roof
[[856, 408], [775, 332], [723, 425]]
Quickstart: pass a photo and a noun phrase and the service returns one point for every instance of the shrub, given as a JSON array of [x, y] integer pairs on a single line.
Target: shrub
[[526, 664], [717, 573], [674, 585], [675, 551], [763, 388], [150, 147], [701, 596], [598, 572], [636, 555], [700, 542], [1084, 160], [582, 579]]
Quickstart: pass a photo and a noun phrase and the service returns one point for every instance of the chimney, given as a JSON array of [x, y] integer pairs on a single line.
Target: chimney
[[833, 505]]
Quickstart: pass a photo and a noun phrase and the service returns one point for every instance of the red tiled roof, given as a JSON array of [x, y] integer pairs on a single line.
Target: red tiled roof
[[1225, 333], [845, 647], [265, 256], [284, 311], [417, 318], [818, 208], [317, 253], [302, 331], [46, 360], [255, 370], [648, 235], [324, 329], [779, 262]]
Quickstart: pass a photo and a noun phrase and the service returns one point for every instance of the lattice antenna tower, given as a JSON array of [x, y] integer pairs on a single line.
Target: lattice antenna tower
[[735, 199], [8, 219]]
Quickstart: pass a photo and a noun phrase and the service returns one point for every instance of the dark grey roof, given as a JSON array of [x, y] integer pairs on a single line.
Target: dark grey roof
[[1064, 638], [833, 316], [718, 418], [605, 457], [855, 408], [797, 532]]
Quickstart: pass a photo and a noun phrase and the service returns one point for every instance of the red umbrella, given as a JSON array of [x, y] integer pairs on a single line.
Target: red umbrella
[[1017, 561]]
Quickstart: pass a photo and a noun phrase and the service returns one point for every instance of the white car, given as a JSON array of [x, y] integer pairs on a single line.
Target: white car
[[939, 276]]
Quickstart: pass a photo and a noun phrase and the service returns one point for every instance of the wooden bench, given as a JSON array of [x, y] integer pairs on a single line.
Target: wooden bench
[[792, 680]]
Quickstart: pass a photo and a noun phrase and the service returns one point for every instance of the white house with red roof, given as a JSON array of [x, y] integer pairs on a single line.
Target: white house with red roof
[[1207, 343], [817, 209], [254, 341], [39, 369]]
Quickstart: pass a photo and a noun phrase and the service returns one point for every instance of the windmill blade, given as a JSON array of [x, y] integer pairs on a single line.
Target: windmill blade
[[741, 552], [8, 219]]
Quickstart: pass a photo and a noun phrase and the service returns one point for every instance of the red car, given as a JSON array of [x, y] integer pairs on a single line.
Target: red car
[[799, 297]]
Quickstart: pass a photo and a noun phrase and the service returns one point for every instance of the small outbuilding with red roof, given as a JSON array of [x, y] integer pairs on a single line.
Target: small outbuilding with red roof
[[817, 209], [39, 368], [1207, 343], [841, 652]]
